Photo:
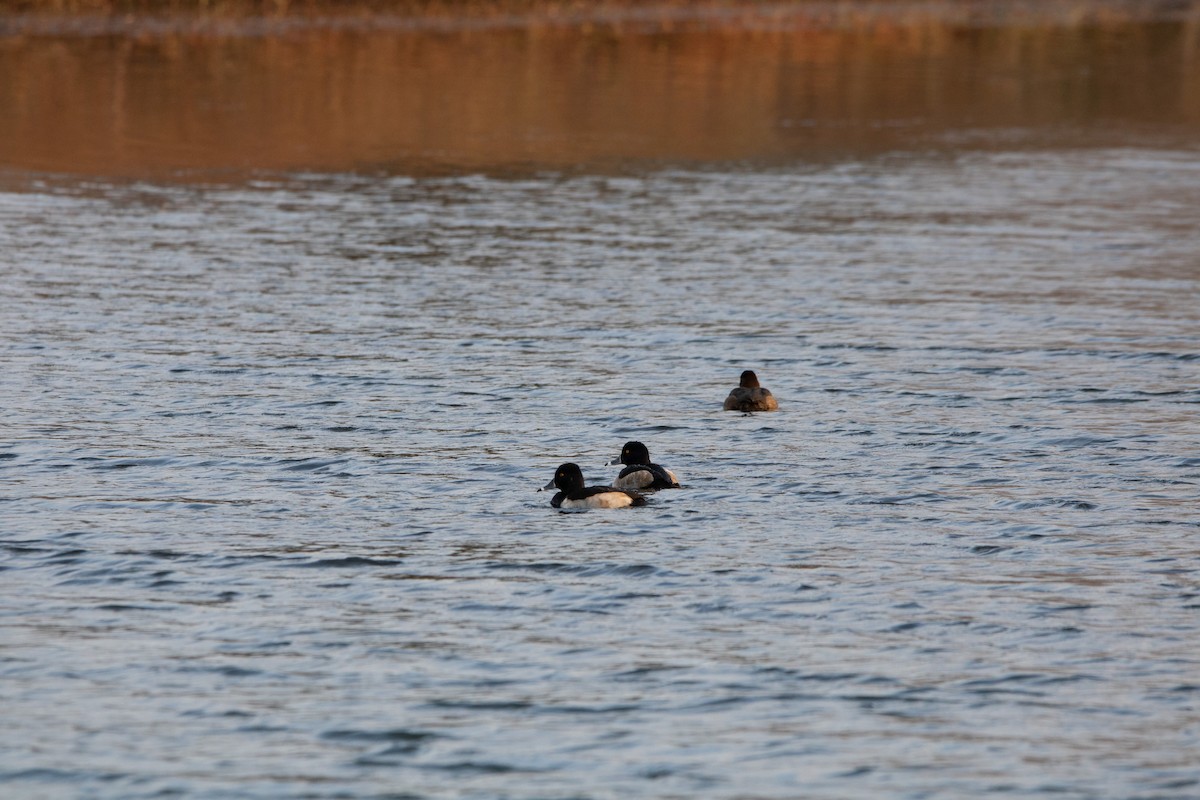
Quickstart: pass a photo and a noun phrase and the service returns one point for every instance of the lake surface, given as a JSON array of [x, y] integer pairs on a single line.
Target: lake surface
[[271, 444]]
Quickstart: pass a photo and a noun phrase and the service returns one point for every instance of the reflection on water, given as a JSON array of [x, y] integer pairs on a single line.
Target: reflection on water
[[132, 98]]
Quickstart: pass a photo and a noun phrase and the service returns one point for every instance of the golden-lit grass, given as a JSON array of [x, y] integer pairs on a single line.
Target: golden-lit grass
[[582, 85]]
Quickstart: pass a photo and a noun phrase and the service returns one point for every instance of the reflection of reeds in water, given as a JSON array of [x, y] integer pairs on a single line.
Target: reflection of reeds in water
[[548, 91]]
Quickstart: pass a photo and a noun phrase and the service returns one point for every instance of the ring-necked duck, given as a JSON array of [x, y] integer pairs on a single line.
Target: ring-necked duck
[[749, 396], [639, 473], [573, 494]]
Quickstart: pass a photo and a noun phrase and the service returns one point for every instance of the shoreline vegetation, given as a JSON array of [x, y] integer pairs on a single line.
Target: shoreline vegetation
[[154, 87], [267, 17]]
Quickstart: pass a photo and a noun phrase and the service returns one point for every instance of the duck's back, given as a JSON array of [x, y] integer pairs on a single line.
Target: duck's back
[[646, 476], [751, 399], [598, 497]]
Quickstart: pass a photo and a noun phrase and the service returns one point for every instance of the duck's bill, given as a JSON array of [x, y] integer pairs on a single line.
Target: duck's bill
[[549, 485], [616, 460]]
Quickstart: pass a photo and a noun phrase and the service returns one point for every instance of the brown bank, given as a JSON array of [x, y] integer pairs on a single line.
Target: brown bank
[[146, 89]]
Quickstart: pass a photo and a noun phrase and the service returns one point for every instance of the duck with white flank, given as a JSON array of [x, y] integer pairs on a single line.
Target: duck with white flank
[[639, 473], [573, 494]]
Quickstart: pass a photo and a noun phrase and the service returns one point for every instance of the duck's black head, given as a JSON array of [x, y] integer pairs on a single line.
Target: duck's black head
[[749, 380], [635, 453], [568, 478]]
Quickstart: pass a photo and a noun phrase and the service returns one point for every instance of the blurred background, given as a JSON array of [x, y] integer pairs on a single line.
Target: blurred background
[[153, 88]]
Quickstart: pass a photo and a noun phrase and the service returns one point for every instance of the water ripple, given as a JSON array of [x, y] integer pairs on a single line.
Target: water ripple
[[270, 521]]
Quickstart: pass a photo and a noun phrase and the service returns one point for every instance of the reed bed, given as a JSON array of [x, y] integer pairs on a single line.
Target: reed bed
[[405, 87]]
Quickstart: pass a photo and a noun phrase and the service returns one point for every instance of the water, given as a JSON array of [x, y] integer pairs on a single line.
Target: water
[[270, 452], [299, 312]]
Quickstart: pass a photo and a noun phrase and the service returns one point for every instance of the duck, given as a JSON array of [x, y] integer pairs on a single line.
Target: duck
[[750, 396], [639, 473], [572, 493]]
